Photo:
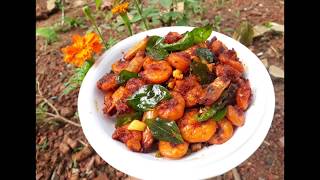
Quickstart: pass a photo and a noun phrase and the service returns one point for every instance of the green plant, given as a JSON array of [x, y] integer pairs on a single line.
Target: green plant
[[244, 33], [140, 12], [220, 3], [86, 10], [98, 4], [41, 110], [48, 33], [122, 10], [60, 5], [217, 23], [76, 80]]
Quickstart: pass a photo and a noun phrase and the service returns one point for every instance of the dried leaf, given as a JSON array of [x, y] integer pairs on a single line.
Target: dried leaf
[[244, 33]]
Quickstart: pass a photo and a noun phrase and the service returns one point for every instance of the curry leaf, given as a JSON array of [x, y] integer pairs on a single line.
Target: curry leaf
[[165, 130], [127, 118], [206, 54], [197, 35], [182, 44], [147, 97], [207, 114], [154, 50], [201, 34], [201, 71], [218, 110], [220, 114], [124, 76]]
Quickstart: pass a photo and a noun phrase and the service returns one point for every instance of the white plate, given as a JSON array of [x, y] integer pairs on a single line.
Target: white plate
[[210, 161]]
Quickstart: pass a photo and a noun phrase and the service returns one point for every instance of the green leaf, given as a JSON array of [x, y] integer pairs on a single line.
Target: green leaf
[[201, 34], [182, 44], [207, 114], [166, 3], [73, 22], [220, 114], [86, 10], [127, 118], [98, 4], [154, 50], [48, 33], [173, 15], [41, 111], [125, 75], [206, 54], [111, 41], [76, 80], [165, 130], [217, 22], [183, 21], [147, 97], [201, 71], [197, 35]]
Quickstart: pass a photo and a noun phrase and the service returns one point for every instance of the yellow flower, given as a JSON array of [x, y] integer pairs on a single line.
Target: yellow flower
[[82, 49], [121, 8]]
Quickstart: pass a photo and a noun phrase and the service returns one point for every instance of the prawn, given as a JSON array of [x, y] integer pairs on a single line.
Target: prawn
[[173, 151], [194, 131], [190, 89], [179, 60], [214, 90], [225, 132], [130, 137], [235, 115], [243, 94], [171, 109], [156, 72], [108, 82]]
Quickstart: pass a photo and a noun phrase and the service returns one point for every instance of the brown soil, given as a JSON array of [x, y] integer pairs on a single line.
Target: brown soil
[[58, 142]]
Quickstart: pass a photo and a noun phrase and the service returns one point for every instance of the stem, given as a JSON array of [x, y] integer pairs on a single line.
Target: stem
[[140, 13], [55, 116], [62, 13], [101, 37], [171, 10], [87, 12], [126, 21]]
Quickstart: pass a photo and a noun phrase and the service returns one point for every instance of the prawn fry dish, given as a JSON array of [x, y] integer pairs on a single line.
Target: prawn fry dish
[[174, 95]]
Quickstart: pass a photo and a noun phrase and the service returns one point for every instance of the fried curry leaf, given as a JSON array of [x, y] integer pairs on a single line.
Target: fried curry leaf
[[147, 97], [201, 71], [201, 34], [197, 35], [218, 110], [124, 76], [207, 114], [165, 130], [154, 50], [127, 118], [182, 44], [220, 114], [206, 54]]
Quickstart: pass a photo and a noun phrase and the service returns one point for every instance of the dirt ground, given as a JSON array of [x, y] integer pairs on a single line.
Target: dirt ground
[[58, 142]]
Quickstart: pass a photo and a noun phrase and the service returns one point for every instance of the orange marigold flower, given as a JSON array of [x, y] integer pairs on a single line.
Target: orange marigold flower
[[82, 49], [121, 8]]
